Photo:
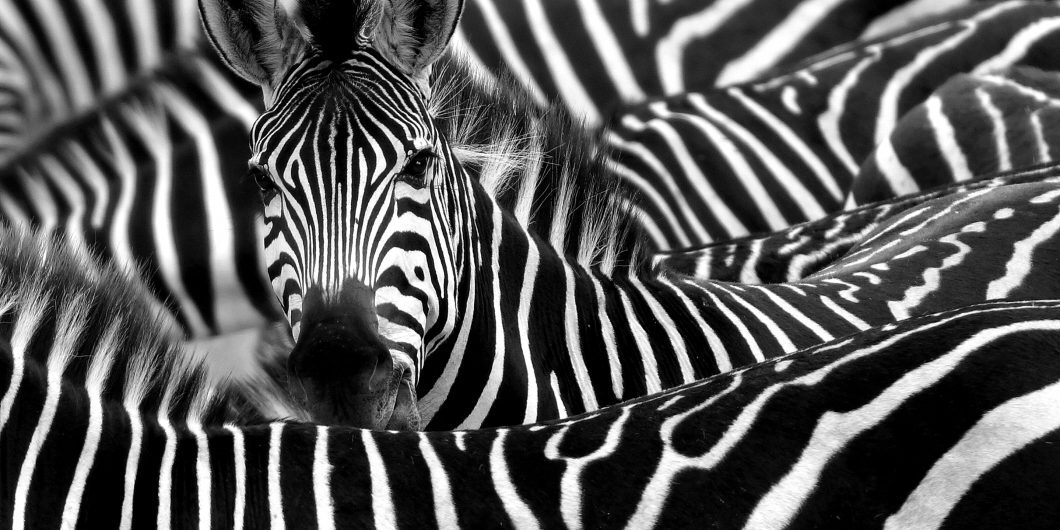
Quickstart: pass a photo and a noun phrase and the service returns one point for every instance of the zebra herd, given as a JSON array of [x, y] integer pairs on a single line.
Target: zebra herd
[[685, 293]]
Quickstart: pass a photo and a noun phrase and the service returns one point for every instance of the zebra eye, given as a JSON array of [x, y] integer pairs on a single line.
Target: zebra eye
[[415, 171], [264, 182]]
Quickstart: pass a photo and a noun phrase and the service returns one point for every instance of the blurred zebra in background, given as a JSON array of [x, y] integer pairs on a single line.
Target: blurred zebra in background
[[973, 125], [728, 162], [594, 55], [797, 252]]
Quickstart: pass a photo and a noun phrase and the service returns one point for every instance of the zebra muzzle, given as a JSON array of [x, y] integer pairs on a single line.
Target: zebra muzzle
[[345, 375]]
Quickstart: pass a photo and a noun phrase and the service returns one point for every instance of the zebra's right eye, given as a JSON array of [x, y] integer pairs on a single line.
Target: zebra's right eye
[[415, 171], [264, 182]]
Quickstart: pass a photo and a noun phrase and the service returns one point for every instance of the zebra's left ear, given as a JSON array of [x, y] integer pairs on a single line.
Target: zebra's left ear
[[415, 32]]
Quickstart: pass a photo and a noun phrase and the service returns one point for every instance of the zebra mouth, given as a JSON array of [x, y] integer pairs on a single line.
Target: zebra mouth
[[405, 415], [340, 377], [392, 407]]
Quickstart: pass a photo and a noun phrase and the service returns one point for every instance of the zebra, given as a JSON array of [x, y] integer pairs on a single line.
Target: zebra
[[793, 254], [84, 351], [402, 278], [594, 57], [57, 60], [104, 423], [971, 126], [722, 163], [144, 180]]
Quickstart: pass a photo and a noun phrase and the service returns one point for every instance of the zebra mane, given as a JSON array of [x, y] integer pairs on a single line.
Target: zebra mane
[[542, 165], [65, 310]]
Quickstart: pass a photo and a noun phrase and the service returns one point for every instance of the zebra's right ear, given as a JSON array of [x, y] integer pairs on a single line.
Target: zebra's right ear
[[251, 36]]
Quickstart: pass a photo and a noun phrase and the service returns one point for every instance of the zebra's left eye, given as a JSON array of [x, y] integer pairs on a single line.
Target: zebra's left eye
[[415, 171]]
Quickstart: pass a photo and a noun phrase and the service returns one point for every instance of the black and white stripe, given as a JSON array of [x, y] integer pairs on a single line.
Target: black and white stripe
[[151, 180], [797, 252], [971, 126], [728, 162], [942, 419], [594, 55], [58, 58]]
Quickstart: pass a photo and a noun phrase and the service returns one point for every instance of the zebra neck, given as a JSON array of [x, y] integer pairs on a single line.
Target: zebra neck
[[547, 337]]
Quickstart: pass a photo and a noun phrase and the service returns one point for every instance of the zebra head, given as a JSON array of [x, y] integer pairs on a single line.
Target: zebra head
[[359, 219]]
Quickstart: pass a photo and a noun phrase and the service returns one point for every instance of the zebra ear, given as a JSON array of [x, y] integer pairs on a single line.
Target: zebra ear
[[251, 36], [416, 32]]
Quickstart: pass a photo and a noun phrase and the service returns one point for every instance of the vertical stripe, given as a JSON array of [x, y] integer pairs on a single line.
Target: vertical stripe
[[202, 474], [523, 330], [325, 506], [574, 342], [444, 509], [95, 381], [132, 463], [382, 505], [515, 507], [165, 473], [496, 374], [239, 467], [946, 138], [276, 517]]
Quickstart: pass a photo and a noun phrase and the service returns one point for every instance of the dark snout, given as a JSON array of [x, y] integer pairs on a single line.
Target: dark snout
[[341, 370]]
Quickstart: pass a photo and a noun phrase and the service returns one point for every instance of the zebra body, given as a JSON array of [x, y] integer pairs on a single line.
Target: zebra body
[[971, 126], [793, 254], [870, 429], [757, 157], [395, 267]]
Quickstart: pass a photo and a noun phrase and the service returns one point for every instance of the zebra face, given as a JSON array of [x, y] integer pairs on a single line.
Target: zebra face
[[360, 233], [359, 239]]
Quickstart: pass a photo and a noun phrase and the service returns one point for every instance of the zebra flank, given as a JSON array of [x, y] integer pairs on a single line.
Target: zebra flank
[[716, 164], [797, 252], [123, 440], [1007, 119]]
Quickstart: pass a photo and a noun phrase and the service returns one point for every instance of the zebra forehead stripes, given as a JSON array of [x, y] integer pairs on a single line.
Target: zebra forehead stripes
[[333, 141]]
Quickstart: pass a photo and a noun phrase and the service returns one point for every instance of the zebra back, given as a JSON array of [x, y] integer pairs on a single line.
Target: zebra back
[[151, 180], [793, 254], [942, 418]]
